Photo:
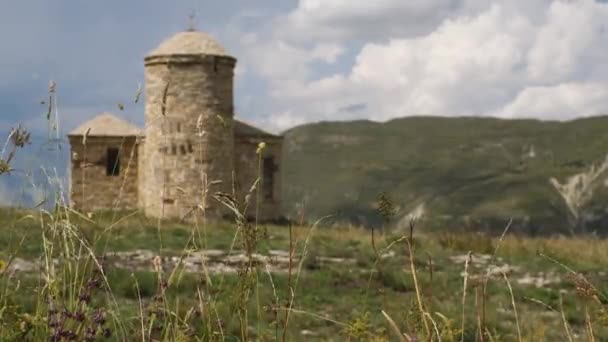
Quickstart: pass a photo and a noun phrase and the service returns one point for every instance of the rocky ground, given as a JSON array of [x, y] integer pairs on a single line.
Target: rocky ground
[[212, 261], [215, 261]]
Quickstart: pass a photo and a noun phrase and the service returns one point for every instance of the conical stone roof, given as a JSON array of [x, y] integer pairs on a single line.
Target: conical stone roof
[[189, 43], [106, 125]]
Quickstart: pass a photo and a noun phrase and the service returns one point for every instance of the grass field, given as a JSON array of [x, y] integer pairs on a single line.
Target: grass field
[[119, 276], [323, 284]]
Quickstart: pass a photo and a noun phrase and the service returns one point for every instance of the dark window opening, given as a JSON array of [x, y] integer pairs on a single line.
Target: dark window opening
[[182, 149], [112, 162], [179, 127], [173, 149], [269, 169], [190, 149]]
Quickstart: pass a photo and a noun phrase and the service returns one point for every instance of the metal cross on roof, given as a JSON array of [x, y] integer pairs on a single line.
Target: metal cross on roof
[[191, 20]]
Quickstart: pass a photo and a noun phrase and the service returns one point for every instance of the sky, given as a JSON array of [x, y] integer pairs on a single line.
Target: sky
[[303, 61]]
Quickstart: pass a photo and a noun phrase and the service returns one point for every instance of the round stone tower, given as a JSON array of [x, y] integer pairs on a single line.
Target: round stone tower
[[189, 139]]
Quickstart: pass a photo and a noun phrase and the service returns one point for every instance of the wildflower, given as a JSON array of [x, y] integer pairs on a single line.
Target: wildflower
[[26, 322], [79, 316], [85, 297], [89, 334], [93, 284], [66, 313], [68, 334], [2, 265], [99, 318]]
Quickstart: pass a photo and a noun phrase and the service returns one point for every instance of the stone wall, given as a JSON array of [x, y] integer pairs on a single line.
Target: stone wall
[[91, 187], [248, 168], [189, 134]]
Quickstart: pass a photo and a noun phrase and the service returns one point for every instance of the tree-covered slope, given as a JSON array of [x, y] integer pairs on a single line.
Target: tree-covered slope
[[463, 171]]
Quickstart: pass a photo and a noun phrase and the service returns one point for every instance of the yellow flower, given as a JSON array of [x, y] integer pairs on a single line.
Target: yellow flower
[[2, 265]]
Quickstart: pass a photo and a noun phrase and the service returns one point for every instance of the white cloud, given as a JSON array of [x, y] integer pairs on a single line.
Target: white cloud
[[314, 20], [537, 58], [327, 53], [277, 123], [564, 101], [569, 42], [281, 61]]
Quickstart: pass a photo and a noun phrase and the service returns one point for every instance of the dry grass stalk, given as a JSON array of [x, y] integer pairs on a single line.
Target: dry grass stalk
[[487, 277], [464, 293], [299, 272], [514, 307], [564, 320], [579, 189], [589, 325], [395, 328], [416, 284]]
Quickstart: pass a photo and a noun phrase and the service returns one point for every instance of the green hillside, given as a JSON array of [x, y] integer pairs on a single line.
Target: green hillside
[[467, 172]]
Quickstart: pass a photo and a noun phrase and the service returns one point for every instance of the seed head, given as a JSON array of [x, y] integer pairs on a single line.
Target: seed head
[[261, 147]]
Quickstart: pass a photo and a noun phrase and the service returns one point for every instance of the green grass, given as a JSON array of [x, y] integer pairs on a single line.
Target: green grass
[[331, 300]]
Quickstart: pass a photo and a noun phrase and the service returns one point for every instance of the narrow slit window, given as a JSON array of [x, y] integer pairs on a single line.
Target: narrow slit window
[[268, 177], [112, 162]]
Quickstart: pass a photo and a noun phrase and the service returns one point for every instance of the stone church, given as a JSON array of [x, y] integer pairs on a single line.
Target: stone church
[[190, 148]]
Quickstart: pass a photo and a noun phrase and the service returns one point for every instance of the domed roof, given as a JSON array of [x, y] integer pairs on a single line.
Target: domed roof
[[190, 43]]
